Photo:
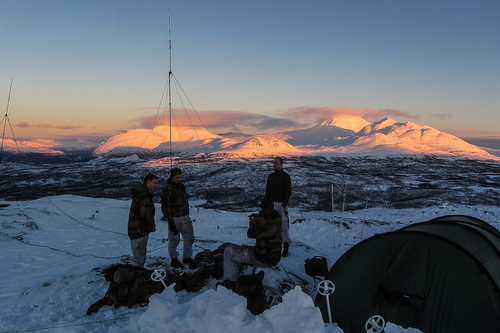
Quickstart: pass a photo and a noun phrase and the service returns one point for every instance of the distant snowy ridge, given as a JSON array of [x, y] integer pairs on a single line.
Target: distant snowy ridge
[[327, 131], [390, 136], [353, 123], [33, 146], [156, 138], [342, 134], [262, 145]]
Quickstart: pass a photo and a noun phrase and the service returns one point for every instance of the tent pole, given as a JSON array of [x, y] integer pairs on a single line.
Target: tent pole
[[364, 220], [342, 220], [333, 217]]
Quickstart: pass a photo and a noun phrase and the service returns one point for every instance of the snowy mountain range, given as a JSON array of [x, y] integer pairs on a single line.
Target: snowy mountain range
[[343, 134]]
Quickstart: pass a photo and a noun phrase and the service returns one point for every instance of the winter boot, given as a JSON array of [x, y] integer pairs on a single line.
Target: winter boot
[[187, 260], [176, 263], [285, 249]]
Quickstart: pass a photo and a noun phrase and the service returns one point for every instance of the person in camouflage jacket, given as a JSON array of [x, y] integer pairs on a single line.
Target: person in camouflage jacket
[[175, 209], [265, 227], [141, 218]]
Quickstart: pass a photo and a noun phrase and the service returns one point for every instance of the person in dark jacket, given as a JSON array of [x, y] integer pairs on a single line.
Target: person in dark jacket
[[279, 188], [265, 227], [175, 209], [141, 218]]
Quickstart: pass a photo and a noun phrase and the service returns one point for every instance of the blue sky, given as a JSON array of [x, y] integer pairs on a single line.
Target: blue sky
[[95, 68]]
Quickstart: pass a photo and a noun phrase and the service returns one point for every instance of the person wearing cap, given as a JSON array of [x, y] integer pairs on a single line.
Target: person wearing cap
[[279, 189], [175, 209], [265, 227], [141, 218]]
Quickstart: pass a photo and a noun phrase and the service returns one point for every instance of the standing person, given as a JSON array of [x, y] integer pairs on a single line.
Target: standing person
[[265, 227], [141, 218], [175, 209], [279, 189]]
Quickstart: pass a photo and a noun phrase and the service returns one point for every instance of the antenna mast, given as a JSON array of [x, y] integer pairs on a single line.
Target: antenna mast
[[6, 119], [169, 88]]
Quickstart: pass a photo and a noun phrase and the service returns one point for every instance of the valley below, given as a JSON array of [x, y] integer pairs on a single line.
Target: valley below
[[351, 183]]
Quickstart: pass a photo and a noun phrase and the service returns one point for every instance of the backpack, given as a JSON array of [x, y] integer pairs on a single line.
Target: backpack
[[250, 287], [129, 285]]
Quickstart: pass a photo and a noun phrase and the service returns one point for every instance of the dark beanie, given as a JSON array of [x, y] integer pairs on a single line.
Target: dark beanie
[[174, 172]]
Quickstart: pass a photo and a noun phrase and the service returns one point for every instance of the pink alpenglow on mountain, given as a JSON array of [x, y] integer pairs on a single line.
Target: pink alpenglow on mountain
[[263, 145], [158, 138], [341, 134], [353, 123], [326, 132], [390, 136], [34, 146]]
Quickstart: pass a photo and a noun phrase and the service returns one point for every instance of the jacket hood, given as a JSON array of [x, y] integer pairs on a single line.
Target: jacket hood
[[139, 190]]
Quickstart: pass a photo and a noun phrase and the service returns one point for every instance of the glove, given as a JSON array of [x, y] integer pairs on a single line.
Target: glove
[[172, 228]]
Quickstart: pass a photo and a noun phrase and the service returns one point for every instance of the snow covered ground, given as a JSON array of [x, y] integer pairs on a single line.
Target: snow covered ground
[[53, 250]]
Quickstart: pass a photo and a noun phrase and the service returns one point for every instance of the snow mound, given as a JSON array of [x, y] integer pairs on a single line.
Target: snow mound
[[221, 311]]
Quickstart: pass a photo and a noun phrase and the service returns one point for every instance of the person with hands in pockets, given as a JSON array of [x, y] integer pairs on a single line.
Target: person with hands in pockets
[[141, 218], [175, 209], [279, 189]]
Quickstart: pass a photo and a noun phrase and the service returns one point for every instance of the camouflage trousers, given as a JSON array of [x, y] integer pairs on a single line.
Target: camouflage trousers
[[138, 246], [234, 256], [185, 228]]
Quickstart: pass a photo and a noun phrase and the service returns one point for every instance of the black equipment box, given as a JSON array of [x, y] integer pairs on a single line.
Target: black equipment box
[[316, 266]]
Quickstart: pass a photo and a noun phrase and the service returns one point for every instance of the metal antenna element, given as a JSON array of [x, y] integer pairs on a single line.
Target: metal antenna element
[[6, 120], [333, 216], [169, 87]]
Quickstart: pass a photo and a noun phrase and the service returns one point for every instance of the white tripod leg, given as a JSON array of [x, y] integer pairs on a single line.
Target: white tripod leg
[[326, 288]]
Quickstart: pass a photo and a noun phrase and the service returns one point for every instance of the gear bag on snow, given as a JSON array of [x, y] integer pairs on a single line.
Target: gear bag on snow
[[132, 285], [316, 266]]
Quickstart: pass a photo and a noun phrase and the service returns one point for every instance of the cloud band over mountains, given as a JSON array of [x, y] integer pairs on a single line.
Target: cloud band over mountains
[[28, 125], [255, 123]]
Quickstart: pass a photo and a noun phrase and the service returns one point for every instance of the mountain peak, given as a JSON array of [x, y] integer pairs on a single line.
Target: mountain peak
[[353, 123], [156, 137], [263, 145], [384, 124]]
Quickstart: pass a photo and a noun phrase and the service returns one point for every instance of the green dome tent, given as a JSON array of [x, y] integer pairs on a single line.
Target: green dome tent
[[442, 275]]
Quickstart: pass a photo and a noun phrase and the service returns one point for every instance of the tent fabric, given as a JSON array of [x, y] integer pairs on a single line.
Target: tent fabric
[[441, 275]]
